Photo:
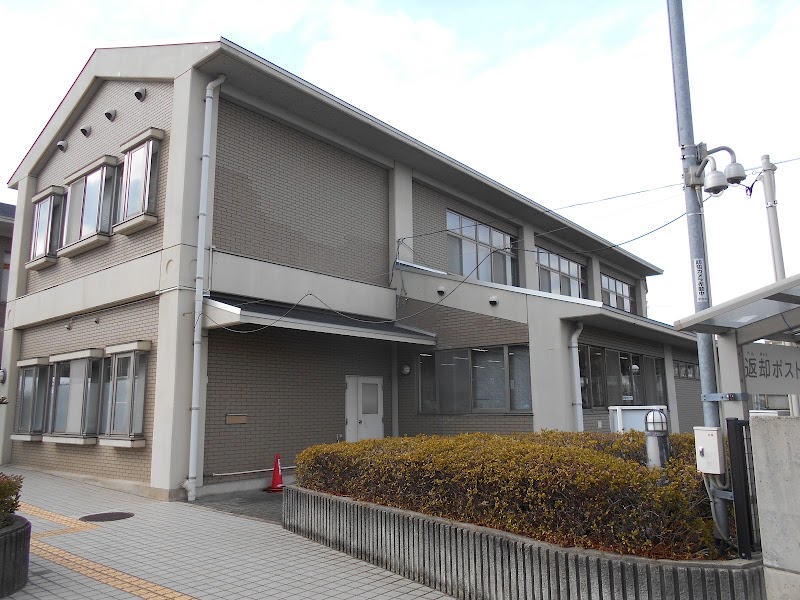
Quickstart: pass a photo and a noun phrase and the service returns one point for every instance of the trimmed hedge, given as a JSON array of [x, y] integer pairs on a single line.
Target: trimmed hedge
[[10, 486], [587, 490]]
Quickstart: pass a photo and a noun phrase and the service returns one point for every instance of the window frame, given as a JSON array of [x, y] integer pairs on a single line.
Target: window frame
[[53, 227], [638, 380], [618, 292], [149, 182], [427, 405], [488, 244], [547, 271]]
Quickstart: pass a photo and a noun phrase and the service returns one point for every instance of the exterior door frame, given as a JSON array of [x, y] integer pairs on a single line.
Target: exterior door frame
[[354, 426]]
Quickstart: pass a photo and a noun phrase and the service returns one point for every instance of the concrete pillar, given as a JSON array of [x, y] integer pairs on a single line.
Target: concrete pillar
[[17, 286], [594, 283], [401, 214], [169, 466], [551, 385], [641, 296], [526, 256]]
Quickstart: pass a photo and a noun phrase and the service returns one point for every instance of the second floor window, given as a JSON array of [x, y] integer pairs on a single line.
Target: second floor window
[[618, 294], [559, 275], [47, 220], [89, 204], [138, 182], [480, 252]]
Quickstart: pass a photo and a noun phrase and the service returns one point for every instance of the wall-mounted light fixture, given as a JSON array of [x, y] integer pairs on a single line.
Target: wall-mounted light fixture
[[86, 130], [441, 290], [493, 301], [111, 114], [140, 93], [405, 369], [62, 145]]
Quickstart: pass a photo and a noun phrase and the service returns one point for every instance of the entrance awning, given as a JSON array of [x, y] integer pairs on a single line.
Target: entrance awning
[[772, 313], [219, 313]]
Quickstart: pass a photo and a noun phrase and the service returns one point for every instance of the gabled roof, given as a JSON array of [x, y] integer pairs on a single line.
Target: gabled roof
[[280, 89]]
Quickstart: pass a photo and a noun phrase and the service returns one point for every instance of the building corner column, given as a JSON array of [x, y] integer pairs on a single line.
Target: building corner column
[[171, 421], [17, 286]]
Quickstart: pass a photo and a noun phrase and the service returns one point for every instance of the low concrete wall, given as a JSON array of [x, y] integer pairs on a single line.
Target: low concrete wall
[[468, 561], [776, 463]]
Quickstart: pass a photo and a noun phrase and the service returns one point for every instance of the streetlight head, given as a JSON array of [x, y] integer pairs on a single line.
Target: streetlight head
[[715, 182], [734, 173]]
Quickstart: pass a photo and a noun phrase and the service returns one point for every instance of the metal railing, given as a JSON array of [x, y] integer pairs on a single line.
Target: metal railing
[[743, 482]]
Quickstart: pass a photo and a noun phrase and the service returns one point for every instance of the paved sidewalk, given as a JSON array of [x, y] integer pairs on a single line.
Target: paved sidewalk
[[179, 551]]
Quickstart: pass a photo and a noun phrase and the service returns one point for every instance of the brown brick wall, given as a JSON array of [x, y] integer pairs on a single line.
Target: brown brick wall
[[133, 117], [288, 198], [430, 215], [617, 341], [455, 329], [291, 386], [136, 321]]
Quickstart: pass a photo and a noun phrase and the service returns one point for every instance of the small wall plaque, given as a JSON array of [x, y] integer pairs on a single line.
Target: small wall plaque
[[231, 419]]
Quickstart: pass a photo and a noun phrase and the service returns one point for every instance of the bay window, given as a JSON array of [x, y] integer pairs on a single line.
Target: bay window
[[140, 176], [48, 214], [88, 207], [79, 396]]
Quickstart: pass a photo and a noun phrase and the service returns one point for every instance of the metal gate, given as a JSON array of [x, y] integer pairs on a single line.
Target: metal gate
[[745, 504]]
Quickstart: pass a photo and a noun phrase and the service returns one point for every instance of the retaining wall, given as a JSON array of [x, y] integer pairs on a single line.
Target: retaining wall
[[467, 561]]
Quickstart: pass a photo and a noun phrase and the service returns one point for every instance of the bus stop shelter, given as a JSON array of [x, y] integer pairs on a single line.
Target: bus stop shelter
[[771, 314]]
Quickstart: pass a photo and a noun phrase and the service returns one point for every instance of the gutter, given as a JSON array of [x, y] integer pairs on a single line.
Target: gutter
[[194, 434], [577, 404]]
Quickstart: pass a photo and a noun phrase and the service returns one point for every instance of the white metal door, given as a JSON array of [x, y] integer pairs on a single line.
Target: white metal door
[[364, 408]]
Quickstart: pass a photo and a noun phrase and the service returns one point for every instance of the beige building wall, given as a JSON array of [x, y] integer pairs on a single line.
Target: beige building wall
[[286, 197], [137, 321], [132, 118], [291, 386]]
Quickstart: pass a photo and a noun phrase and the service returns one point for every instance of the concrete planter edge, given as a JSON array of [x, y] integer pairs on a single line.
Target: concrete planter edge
[[470, 561], [15, 544]]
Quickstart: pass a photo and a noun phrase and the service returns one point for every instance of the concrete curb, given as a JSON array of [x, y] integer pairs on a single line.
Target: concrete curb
[[468, 561]]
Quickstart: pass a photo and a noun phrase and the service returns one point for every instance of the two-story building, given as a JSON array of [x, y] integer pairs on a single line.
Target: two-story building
[[354, 283]]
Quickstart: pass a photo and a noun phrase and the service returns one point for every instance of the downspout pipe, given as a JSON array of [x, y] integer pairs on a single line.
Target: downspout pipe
[[577, 403], [205, 167]]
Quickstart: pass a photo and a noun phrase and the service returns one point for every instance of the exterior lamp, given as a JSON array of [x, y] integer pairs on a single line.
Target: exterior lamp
[[715, 182], [657, 440]]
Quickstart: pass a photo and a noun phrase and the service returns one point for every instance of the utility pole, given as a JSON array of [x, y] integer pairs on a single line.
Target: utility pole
[[694, 220], [768, 177]]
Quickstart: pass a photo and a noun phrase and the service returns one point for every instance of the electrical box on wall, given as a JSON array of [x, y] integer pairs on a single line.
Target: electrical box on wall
[[709, 450]]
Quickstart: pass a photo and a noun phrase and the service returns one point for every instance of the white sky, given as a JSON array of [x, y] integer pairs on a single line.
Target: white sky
[[563, 102]]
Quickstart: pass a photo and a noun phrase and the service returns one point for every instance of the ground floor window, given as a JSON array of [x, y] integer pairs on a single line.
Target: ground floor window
[[615, 378], [495, 379], [96, 395]]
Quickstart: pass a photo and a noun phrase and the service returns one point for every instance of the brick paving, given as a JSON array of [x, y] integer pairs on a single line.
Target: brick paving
[[181, 551]]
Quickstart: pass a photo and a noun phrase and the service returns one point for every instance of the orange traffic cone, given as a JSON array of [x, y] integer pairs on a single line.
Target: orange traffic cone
[[277, 477]]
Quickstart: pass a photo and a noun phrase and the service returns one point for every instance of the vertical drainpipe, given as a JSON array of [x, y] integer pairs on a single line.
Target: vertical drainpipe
[[191, 482], [577, 404]]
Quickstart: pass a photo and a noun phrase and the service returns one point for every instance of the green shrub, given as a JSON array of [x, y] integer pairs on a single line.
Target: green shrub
[[9, 496], [588, 490]]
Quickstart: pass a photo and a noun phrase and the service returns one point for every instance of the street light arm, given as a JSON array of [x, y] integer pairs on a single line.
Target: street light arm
[[702, 166]]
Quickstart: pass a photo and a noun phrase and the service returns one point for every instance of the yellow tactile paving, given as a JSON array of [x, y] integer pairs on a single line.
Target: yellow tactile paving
[[112, 577], [72, 525]]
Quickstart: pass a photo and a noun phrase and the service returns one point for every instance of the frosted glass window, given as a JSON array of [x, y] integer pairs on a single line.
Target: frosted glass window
[[488, 379], [369, 398], [519, 382]]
